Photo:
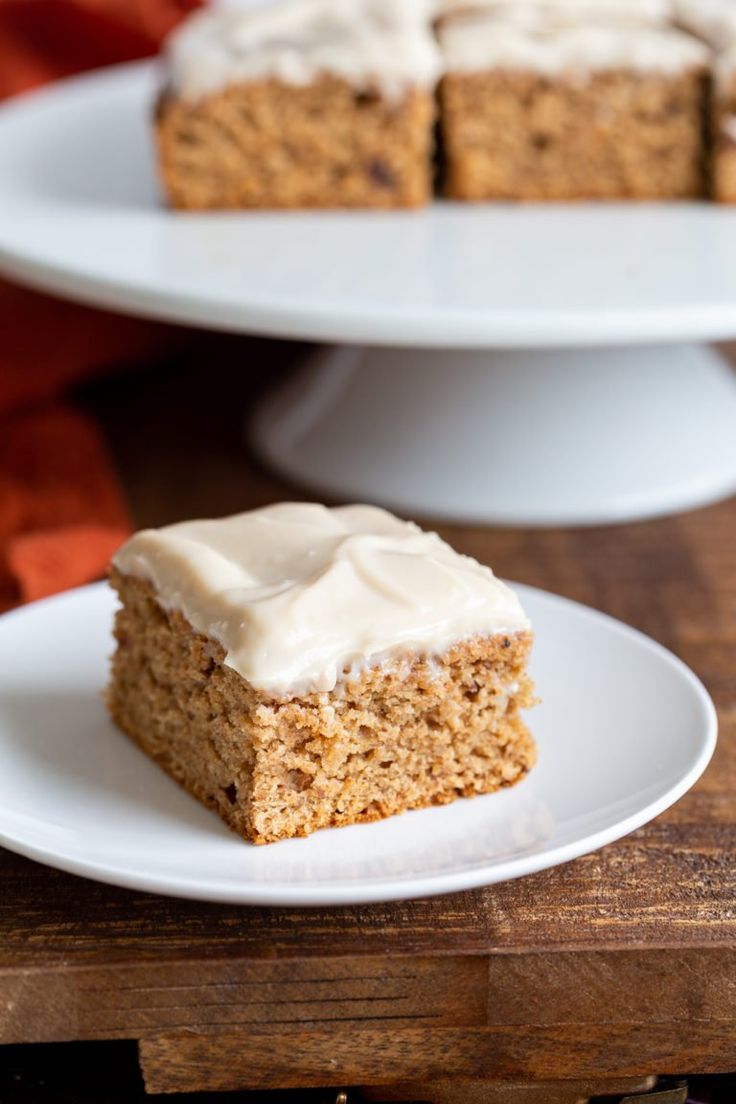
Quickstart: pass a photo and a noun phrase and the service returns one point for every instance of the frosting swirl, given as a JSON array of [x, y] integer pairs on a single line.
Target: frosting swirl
[[299, 595]]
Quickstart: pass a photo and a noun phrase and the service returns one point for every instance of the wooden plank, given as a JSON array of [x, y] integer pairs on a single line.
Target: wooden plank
[[596, 987], [371, 1055], [107, 1003], [613, 987]]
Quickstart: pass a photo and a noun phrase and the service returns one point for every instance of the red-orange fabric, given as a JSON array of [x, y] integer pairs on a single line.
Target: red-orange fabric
[[44, 39], [62, 512]]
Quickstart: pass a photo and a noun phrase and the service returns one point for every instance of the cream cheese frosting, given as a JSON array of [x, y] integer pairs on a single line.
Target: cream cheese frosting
[[715, 22], [479, 41], [387, 43], [298, 594]]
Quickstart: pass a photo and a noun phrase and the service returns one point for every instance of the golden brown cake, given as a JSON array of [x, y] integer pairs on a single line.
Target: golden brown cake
[[586, 111], [328, 103], [296, 668]]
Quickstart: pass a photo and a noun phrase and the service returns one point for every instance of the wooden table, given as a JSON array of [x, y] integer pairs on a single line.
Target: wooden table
[[587, 978]]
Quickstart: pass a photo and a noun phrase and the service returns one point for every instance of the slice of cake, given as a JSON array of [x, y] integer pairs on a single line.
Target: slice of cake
[[299, 667], [715, 22], [590, 111], [307, 103]]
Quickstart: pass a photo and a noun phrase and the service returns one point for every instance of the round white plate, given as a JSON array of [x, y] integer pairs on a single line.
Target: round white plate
[[81, 215], [624, 730]]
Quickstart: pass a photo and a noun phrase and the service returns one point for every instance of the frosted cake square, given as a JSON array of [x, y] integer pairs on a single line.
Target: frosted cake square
[[298, 667], [536, 109], [325, 103]]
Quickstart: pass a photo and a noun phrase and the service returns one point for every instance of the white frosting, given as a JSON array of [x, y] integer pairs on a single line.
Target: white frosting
[[477, 42], [713, 20], [297, 594], [387, 43], [567, 12]]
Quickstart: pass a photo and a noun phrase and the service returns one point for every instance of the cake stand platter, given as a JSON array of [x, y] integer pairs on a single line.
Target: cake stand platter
[[534, 365]]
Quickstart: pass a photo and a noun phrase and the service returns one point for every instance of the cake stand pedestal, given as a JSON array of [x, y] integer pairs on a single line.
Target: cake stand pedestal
[[527, 438], [534, 436]]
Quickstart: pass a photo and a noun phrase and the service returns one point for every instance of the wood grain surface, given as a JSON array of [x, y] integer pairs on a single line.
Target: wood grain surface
[[622, 963]]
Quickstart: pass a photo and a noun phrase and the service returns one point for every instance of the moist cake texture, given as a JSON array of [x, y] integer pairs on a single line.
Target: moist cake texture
[[590, 111], [328, 103], [296, 667]]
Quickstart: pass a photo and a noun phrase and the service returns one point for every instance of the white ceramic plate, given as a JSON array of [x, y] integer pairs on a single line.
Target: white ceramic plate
[[625, 729], [81, 215]]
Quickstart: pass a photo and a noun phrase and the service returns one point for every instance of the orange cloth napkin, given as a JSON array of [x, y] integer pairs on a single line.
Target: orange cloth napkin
[[44, 39], [62, 512]]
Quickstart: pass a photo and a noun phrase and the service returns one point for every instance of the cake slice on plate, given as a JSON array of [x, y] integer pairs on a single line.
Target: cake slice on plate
[[298, 667], [307, 103]]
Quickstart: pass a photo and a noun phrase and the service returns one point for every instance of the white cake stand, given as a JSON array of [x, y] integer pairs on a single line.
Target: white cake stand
[[512, 365]]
